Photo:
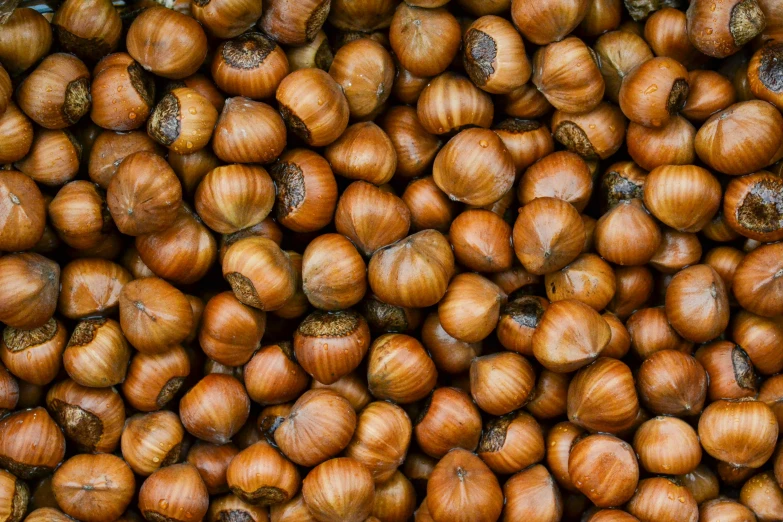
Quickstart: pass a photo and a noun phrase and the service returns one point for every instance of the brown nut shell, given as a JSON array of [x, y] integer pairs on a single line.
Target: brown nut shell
[[234, 197], [260, 475], [604, 468], [167, 42], [608, 382], [144, 195], [567, 73], [57, 93], [313, 106], [414, 272], [548, 234], [474, 167], [718, 431], [233, 144], [306, 190], [250, 65], [319, 427], [330, 345], [154, 315], [247, 267]]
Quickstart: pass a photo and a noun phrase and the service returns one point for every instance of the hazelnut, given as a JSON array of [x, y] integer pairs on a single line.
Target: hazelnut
[[320, 426], [371, 217], [607, 382], [273, 376], [34, 355], [167, 42], [532, 493], [250, 65], [31, 444], [92, 418], [226, 18], [94, 487], [380, 442], [615, 462], [330, 345], [306, 190], [152, 441], [260, 273], [57, 93], [153, 380], [450, 103], [654, 91], [233, 143], [26, 38], [215, 408], [494, 55], [448, 420], [723, 31], [123, 93], [234, 197], [567, 73], [260, 476], [365, 71], [339, 489], [512, 443], [414, 272], [424, 40], [144, 195], [30, 286], [399, 369], [154, 315], [176, 493], [293, 24], [718, 431], [303, 96]]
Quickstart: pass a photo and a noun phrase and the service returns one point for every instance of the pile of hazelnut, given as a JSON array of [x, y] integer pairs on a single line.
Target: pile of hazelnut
[[391, 260]]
